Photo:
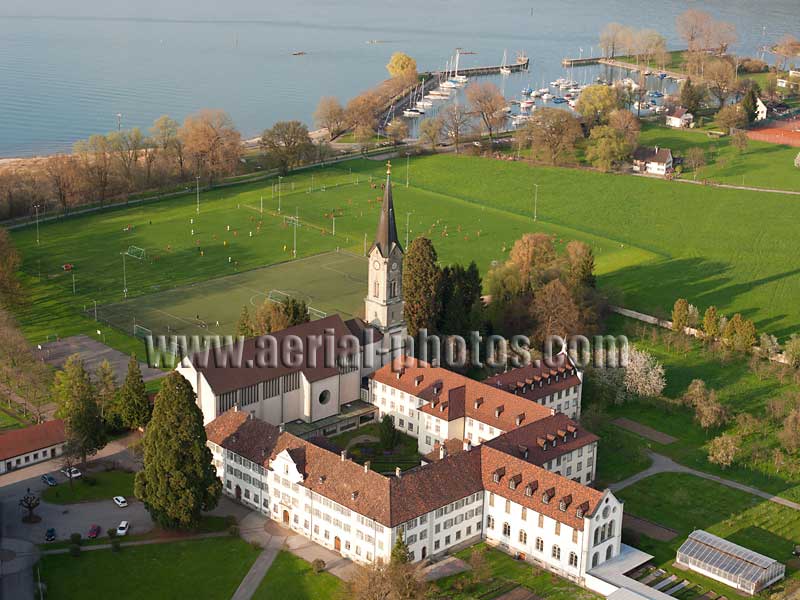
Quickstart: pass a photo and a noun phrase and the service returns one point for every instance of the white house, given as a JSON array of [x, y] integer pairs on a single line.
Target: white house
[[22, 447], [680, 118], [656, 161], [482, 492]]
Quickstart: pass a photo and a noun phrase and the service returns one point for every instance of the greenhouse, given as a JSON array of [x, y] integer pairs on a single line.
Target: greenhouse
[[729, 563]]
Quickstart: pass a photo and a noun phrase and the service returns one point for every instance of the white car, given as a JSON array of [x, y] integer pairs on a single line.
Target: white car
[[71, 473], [123, 528], [120, 501]]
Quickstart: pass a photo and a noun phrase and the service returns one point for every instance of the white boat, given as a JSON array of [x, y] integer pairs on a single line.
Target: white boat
[[573, 103], [458, 79], [504, 68], [547, 96], [543, 91], [519, 119], [423, 103], [413, 112], [525, 104]]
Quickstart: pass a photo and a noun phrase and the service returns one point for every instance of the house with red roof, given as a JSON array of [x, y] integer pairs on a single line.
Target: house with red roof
[[23, 447]]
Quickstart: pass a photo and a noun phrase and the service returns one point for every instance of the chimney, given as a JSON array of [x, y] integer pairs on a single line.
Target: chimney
[[442, 452], [467, 445], [251, 416], [344, 455], [366, 467], [280, 428], [397, 472], [236, 407]]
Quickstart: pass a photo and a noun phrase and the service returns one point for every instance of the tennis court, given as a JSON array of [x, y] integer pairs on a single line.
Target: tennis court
[[332, 282]]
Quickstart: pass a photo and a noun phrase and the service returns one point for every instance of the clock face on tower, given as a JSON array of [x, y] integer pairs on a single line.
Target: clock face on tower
[[394, 266], [376, 265]]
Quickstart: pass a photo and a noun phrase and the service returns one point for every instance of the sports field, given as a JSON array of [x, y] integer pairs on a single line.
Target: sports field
[[654, 240], [333, 282]]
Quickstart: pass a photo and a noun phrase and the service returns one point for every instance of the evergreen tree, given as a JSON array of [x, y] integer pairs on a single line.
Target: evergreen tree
[[296, 311], [74, 395], [400, 555], [711, 322], [460, 292], [106, 388], [421, 278], [244, 327], [691, 96], [581, 265], [680, 314], [749, 104], [134, 405], [178, 481]]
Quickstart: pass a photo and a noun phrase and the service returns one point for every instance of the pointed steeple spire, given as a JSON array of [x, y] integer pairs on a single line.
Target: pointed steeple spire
[[386, 236]]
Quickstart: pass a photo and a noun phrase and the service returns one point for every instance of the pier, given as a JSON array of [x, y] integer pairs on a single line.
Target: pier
[[520, 65]]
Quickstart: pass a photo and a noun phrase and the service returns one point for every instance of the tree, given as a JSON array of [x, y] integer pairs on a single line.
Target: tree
[[596, 103], [288, 143], [692, 26], [400, 554], [750, 104], [421, 277], [164, 133], [401, 64], [126, 148], [244, 327], [11, 291], [456, 122], [786, 48], [330, 115], [486, 101], [430, 130], [362, 111], [627, 124], [691, 95], [106, 384], [720, 79], [296, 312], [740, 333], [389, 437], [459, 300], [74, 395], [680, 315], [709, 412], [789, 436], [532, 254], [555, 312], [612, 37], [695, 159], [739, 140], [178, 481], [480, 569], [397, 131], [607, 147], [94, 156], [270, 317], [30, 502], [581, 265], [771, 86], [792, 350], [210, 140], [644, 375], [722, 450], [553, 133], [62, 173], [134, 404]]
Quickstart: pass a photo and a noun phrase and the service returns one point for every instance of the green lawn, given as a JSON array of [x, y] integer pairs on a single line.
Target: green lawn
[[472, 208], [507, 574], [404, 455], [737, 388], [210, 568], [685, 502], [620, 454], [106, 485], [291, 578], [9, 419], [760, 165]]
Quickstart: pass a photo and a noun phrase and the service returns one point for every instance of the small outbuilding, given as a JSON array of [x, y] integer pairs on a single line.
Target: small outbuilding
[[680, 118], [23, 447], [653, 160], [733, 565]]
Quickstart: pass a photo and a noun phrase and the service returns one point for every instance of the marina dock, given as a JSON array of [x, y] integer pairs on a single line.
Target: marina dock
[[520, 65]]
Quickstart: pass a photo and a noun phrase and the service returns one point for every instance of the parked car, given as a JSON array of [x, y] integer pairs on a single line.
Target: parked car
[[123, 528], [94, 531], [50, 535], [49, 479], [120, 501], [71, 473]]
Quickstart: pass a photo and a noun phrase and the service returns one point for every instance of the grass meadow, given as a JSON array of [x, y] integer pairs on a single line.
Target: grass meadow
[[654, 240]]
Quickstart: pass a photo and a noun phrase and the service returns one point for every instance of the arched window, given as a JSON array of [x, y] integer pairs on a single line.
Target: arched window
[[556, 552], [377, 289], [611, 529], [539, 544], [506, 529], [573, 559], [609, 552], [490, 522], [596, 537], [595, 558], [523, 537]]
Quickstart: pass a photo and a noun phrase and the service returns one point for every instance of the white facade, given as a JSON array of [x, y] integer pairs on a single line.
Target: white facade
[[30, 458]]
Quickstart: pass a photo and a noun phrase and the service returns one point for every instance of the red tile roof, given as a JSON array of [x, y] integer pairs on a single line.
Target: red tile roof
[[535, 381], [541, 482], [536, 439], [451, 396], [251, 438], [22, 441]]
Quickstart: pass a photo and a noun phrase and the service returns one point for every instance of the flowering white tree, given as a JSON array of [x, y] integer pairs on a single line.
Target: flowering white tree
[[797, 160], [644, 375]]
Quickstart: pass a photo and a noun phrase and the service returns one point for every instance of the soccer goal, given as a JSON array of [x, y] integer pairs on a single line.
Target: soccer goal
[[141, 332], [319, 314], [136, 252], [278, 296]]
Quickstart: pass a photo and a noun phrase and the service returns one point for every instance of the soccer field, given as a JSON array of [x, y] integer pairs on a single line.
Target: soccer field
[[333, 282]]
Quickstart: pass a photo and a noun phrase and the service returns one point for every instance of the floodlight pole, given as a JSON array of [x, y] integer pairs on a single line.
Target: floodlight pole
[[535, 200], [95, 309], [279, 192], [408, 154], [124, 277], [262, 204], [198, 194], [73, 282], [36, 207], [296, 220], [334, 225], [408, 215]]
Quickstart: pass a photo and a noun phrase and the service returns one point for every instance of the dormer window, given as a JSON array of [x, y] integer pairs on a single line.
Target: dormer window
[[498, 411], [496, 477], [478, 403], [528, 490], [562, 506], [418, 379], [354, 495], [579, 512], [512, 484], [545, 498]]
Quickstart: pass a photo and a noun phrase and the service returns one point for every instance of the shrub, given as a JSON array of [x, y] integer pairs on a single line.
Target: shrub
[[75, 538], [90, 481], [74, 550], [112, 532], [115, 546], [233, 530], [318, 565]]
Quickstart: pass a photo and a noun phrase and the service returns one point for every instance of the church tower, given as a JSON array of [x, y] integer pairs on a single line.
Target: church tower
[[384, 301]]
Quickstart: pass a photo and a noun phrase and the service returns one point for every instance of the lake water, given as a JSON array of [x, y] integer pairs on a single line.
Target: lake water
[[68, 69]]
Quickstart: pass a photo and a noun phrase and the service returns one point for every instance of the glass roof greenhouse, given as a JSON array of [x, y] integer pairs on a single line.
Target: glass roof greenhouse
[[728, 562]]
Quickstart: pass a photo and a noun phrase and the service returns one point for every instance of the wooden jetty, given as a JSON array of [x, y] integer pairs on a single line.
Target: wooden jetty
[[521, 65]]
